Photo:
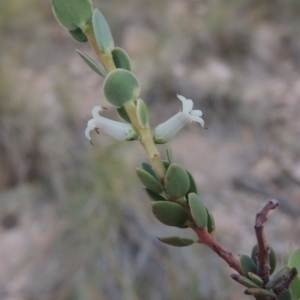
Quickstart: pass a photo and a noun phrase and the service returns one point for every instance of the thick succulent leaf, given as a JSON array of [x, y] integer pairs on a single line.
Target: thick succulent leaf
[[198, 210], [154, 196], [168, 213], [285, 295], [166, 164], [148, 168], [121, 87], [121, 59], [256, 279], [122, 113], [244, 281], [170, 155], [193, 186], [72, 13], [260, 292], [254, 253], [294, 262], [149, 181], [295, 288], [272, 260], [278, 277], [142, 113], [78, 35], [177, 181], [211, 227], [177, 241], [92, 64], [102, 32], [247, 264]]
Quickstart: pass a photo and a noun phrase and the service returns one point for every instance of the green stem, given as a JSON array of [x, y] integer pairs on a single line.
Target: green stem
[[146, 141]]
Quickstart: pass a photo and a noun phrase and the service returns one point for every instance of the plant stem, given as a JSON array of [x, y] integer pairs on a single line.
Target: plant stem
[[146, 141], [212, 243], [263, 266]]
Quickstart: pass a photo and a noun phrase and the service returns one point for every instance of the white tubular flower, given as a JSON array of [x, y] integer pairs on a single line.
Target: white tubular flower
[[119, 130], [167, 130]]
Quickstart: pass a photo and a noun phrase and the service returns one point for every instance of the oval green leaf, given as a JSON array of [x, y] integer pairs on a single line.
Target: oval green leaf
[[72, 13], [121, 59], [260, 292], [168, 213], [170, 155], [211, 227], [166, 164], [254, 253], [198, 210], [294, 260], [177, 241], [193, 186], [149, 181], [295, 287], [177, 181], [78, 35], [154, 196], [286, 295], [272, 260], [102, 32], [148, 168], [256, 279], [244, 281], [142, 113], [247, 265], [122, 113], [278, 277], [121, 87]]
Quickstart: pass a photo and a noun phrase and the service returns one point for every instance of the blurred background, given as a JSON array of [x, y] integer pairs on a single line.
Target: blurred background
[[75, 224]]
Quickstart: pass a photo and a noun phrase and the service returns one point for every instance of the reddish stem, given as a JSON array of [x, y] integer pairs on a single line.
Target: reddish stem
[[212, 243], [263, 267]]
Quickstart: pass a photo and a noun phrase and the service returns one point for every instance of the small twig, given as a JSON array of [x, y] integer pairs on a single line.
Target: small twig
[[212, 243], [287, 282], [263, 267]]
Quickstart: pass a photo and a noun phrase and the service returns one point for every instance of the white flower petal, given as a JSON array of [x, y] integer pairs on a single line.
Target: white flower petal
[[167, 130], [96, 110], [90, 126], [197, 119], [187, 104], [196, 113], [119, 130], [181, 98]]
